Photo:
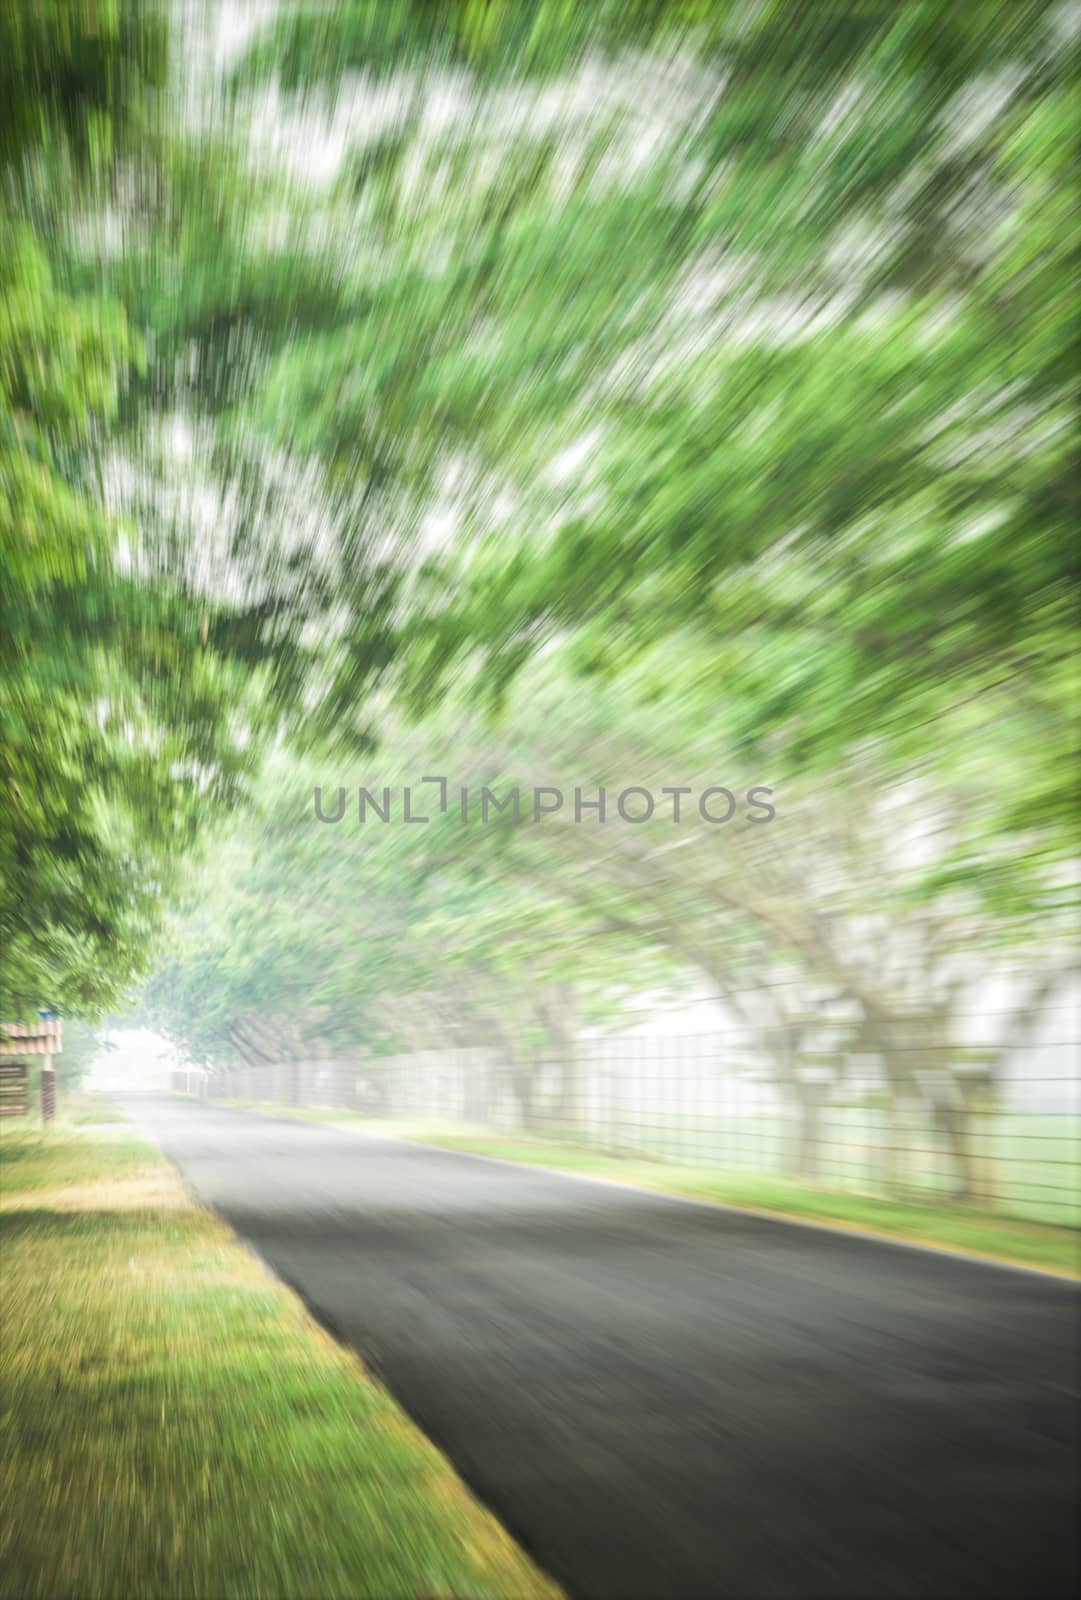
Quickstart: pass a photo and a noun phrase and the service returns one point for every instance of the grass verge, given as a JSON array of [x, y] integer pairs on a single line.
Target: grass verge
[[177, 1425], [973, 1232]]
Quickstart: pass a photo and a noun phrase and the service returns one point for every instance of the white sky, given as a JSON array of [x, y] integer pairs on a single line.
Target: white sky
[[140, 1060]]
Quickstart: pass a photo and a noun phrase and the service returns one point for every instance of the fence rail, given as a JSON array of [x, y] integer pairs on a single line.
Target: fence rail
[[1008, 1141]]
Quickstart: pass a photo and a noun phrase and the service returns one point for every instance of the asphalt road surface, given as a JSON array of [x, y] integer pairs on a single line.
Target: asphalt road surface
[[667, 1401]]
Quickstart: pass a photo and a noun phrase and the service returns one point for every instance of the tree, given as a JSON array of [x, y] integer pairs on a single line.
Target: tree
[[126, 721], [83, 800], [304, 939], [698, 373], [809, 356], [753, 338]]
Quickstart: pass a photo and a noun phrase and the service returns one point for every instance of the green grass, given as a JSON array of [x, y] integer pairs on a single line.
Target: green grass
[[974, 1231], [177, 1425], [85, 1106]]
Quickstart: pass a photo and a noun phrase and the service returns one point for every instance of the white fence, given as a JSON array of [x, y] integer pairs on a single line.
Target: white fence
[[1011, 1144]]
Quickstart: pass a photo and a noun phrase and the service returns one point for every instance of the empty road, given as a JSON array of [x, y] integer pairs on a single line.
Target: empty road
[[669, 1401]]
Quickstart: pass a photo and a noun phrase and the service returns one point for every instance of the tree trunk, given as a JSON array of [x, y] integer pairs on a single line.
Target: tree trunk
[[522, 1076], [810, 1098], [478, 1087], [563, 1024], [954, 1120], [900, 1042]]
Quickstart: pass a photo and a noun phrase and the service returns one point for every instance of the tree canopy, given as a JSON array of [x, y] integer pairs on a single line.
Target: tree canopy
[[631, 394]]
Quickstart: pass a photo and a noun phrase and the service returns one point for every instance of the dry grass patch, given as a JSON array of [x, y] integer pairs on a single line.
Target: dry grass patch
[[156, 1189]]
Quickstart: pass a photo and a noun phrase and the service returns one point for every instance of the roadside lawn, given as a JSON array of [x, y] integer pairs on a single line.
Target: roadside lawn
[[175, 1422], [973, 1232]]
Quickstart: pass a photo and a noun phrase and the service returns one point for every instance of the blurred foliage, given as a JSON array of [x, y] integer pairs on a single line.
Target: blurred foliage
[[114, 728], [701, 373], [73, 73], [292, 943]]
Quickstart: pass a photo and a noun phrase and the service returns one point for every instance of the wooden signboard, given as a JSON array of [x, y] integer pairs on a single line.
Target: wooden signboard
[[42, 1038], [14, 1089]]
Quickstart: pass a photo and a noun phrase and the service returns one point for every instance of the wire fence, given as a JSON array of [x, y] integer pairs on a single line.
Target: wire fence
[[999, 1136]]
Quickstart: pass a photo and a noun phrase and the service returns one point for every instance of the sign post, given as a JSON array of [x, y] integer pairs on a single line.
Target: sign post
[[48, 1091]]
